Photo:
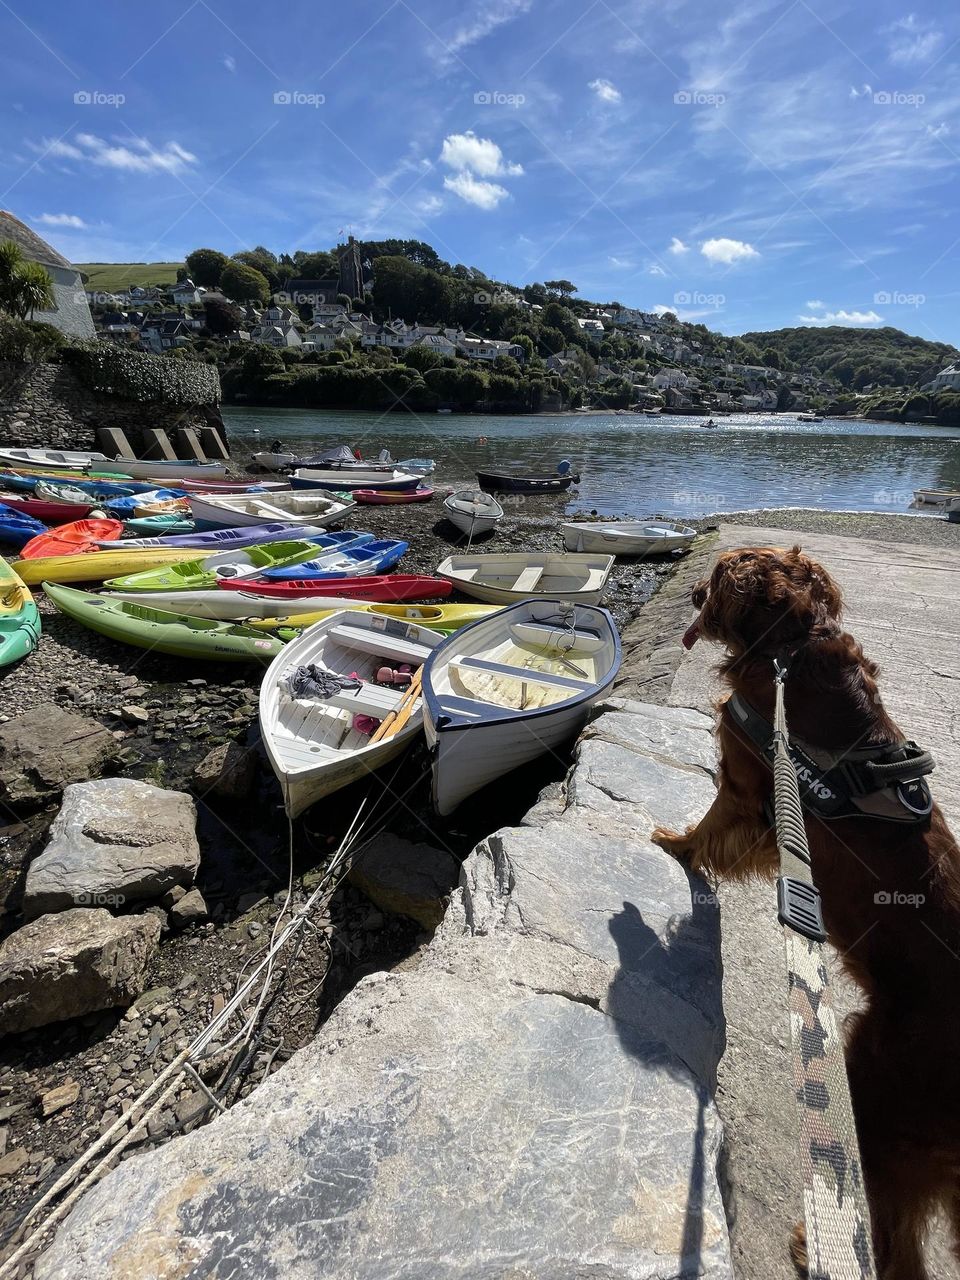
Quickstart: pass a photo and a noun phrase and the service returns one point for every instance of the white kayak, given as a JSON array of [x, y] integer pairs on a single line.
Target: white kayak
[[626, 537], [235, 606], [521, 682], [327, 718]]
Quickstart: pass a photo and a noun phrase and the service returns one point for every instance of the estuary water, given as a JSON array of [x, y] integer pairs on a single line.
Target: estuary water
[[634, 466]]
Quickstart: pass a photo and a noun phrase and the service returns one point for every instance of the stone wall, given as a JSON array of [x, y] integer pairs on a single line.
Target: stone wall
[[49, 405]]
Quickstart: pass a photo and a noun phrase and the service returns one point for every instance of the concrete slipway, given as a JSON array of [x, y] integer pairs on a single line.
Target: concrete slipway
[[535, 1098]]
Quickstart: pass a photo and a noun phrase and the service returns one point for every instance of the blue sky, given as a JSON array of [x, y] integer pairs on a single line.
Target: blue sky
[[750, 165]]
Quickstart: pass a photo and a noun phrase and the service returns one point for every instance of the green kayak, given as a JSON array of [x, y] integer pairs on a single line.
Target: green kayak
[[19, 617], [201, 574], [172, 633]]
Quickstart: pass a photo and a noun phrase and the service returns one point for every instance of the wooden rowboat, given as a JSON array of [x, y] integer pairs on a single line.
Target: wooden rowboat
[[513, 576], [522, 682], [321, 739]]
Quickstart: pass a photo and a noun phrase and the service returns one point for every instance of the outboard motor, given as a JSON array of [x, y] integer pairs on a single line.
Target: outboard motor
[[563, 468]]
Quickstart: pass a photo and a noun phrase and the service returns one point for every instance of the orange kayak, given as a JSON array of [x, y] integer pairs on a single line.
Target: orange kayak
[[72, 539]]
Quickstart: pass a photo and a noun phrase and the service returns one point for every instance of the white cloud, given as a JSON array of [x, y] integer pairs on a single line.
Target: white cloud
[[482, 155], [475, 161], [722, 249], [677, 246], [815, 305], [485, 195], [655, 270], [493, 14], [864, 91], [605, 91], [912, 39], [622, 263], [134, 155], [230, 63], [841, 317], [62, 220], [429, 204]]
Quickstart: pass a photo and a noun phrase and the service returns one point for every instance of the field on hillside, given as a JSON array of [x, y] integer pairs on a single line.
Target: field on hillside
[[111, 277]]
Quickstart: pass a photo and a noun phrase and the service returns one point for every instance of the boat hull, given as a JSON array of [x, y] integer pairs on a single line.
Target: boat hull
[[473, 742], [147, 627], [19, 617], [250, 509], [473, 523], [48, 512], [348, 480], [502, 482], [499, 579], [625, 540], [384, 497], [221, 539], [395, 588], [95, 566]]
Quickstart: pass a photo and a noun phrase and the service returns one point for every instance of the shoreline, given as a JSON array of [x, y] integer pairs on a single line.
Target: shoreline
[[243, 838]]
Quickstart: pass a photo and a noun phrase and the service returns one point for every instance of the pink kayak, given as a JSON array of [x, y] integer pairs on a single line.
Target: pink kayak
[[48, 512], [386, 497]]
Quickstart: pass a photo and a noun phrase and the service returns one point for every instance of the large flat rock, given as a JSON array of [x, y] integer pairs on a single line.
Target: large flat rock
[[45, 749], [114, 841], [533, 1100]]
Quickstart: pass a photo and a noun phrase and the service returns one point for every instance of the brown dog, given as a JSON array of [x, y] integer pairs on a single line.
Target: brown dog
[[890, 889]]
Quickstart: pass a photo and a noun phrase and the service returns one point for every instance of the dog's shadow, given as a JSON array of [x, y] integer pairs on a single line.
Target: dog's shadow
[[643, 1002]]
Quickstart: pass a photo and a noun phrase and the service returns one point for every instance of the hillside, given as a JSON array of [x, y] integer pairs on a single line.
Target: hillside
[[857, 357], [114, 276]]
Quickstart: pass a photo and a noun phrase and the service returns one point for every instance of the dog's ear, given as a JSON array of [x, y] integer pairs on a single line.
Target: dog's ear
[[806, 588]]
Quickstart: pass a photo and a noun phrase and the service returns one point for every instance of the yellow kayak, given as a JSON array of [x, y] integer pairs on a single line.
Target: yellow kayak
[[436, 617], [19, 617], [95, 566]]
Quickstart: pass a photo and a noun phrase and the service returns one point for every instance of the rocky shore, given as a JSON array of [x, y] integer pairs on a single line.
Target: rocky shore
[[83, 708], [206, 883]]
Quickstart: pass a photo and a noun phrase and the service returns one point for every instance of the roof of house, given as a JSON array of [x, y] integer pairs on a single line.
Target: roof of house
[[34, 248]]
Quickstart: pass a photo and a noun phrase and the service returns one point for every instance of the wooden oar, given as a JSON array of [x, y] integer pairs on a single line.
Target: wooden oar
[[395, 720]]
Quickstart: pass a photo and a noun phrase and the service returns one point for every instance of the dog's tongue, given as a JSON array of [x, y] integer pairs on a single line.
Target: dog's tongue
[[692, 634]]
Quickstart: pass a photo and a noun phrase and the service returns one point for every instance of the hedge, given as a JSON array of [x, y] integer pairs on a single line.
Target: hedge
[[149, 379]]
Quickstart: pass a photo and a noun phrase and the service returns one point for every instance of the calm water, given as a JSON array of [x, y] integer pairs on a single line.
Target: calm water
[[631, 465]]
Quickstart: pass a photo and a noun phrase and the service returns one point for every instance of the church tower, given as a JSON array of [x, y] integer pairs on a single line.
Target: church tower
[[351, 269]]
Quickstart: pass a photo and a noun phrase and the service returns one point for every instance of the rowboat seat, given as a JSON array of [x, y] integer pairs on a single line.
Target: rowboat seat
[[519, 673], [368, 700], [529, 578], [366, 640]]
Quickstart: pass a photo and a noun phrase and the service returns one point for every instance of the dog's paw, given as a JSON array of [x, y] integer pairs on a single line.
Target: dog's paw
[[673, 842], [798, 1249]]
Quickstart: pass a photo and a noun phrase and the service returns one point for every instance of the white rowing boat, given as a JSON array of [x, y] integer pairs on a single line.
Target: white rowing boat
[[522, 682], [319, 740], [627, 537], [235, 509], [935, 497], [513, 576], [473, 512]]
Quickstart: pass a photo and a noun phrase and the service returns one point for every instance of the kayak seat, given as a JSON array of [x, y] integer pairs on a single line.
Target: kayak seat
[[520, 673]]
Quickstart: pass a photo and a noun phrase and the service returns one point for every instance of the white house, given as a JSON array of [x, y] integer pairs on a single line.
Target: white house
[[438, 342], [320, 337], [185, 293], [275, 335], [591, 326], [946, 380], [71, 310]]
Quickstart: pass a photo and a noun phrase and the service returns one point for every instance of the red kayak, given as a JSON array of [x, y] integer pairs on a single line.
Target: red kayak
[[384, 588], [72, 539], [386, 497], [48, 512]]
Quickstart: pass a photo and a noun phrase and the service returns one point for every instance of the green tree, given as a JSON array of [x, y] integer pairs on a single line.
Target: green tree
[[262, 260], [314, 266], [25, 287], [244, 284], [206, 267], [564, 287], [221, 317]]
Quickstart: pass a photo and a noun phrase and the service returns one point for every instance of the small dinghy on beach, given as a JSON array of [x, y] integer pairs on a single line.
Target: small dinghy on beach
[[228, 511], [522, 682], [340, 701], [513, 576], [473, 512], [626, 537]]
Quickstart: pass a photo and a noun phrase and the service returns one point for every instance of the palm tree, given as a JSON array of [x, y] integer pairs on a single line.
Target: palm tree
[[25, 287]]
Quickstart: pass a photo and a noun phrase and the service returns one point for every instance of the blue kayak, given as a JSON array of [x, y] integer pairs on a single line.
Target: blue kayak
[[121, 507], [17, 528], [375, 556]]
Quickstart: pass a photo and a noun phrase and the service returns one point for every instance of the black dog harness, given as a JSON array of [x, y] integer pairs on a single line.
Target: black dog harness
[[885, 781]]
